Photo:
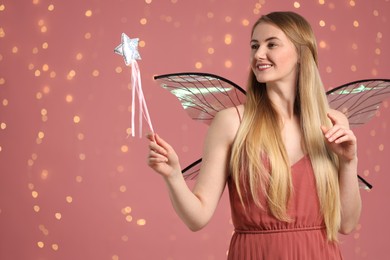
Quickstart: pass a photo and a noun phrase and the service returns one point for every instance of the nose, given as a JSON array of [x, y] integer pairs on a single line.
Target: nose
[[260, 53]]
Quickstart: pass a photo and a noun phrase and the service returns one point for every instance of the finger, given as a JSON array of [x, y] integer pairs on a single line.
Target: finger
[[332, 118], [162, 142], [151, 137], [157, 148], [334, 134]]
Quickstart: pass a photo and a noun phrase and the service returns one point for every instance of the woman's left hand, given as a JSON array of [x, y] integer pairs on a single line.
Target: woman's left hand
[[340, 137]]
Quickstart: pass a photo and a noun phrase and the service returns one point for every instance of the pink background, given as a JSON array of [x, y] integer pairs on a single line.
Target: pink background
[[73, 186]]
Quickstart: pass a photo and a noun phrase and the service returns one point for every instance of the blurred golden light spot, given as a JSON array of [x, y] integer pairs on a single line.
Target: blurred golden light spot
[[322, 44], [54, 247], [69, 199], [297, 5], [36, 208], [5, 102], [124, 148], [331, 6], [79, 56], [71, 75], [40, 244], [381, 147], [354, 46], [3, 125], [228, 19], [58, 215], [374, 72], [378, 51], [366, 173], [38, 95], [143, 21], [141, 222], [43, 112], [30, 66], [120, 168], [34, 156], [210, 50], [35, 2], [377, 168], [41, 22], [174, 1], [43, 29], [210, 15], [15, 49], [46, 89], [2, 7], [355, 23], [321, 2], [34, 194], [79, 179], [44, 174], [88, 13], [256, 11], [30, 162], [352, 3], [30, 186], [228, 64], [142, 44], [69, 98], [245, 22], [129, 218], [125, 238], [228, 39], [37, 73], [45, 67], [2, 32], [52, 74], [82, 156], [45, 45], [35, 50], [128, 131], [80, 136], [41, 135], [44, 230], [148, 1], [118, 69], [353, 68], [198, 65], [2, 81], [122, 188], [322, 23], [95, 73], [88, 36], [375, 13], [115, 257], [50, 7], [76, 119], [126, 210]]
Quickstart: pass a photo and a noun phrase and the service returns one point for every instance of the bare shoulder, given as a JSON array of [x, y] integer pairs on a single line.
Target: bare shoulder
[[228, 120], [340, 115]]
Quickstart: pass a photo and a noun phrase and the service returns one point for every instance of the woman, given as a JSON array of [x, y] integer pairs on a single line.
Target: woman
[[289, 161]]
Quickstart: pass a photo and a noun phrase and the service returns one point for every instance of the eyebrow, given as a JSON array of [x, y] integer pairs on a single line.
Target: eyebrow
[[267, 40]]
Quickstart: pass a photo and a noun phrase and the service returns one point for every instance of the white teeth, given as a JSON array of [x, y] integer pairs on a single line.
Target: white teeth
[[264, 66]]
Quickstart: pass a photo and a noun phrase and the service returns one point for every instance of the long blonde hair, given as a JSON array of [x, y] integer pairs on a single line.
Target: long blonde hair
[[260, 127]]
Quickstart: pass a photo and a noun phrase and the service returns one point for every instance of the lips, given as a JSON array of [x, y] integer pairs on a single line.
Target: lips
[[263, 66]]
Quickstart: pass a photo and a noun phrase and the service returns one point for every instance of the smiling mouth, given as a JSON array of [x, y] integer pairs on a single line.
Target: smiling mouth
[[264, 66]]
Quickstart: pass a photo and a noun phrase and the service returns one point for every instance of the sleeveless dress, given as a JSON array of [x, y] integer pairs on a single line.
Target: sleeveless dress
[[258, 235]]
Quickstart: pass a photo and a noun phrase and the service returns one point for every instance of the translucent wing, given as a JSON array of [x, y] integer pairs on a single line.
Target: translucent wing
[[359, 100], [202, 95]]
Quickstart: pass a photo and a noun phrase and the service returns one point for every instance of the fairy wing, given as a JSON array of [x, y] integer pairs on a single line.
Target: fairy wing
[[202, 95], [359, 100]]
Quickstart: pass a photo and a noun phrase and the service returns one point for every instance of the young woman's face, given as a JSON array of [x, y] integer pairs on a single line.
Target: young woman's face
[[273, 56]]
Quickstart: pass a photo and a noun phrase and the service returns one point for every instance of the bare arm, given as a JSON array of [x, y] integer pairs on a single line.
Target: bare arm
[[196, 207], [343, 142]]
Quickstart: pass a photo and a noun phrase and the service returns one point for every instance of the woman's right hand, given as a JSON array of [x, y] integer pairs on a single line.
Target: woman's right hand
[[162, 157]]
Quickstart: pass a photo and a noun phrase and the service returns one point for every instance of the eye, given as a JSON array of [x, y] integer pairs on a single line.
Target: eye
[[254, 46], [272, 45]]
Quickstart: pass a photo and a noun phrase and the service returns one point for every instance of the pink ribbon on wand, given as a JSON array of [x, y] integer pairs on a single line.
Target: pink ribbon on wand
[[129, 50]]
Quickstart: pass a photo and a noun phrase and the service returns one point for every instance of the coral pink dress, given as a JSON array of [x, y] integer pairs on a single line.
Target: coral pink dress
[[258, 235]]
